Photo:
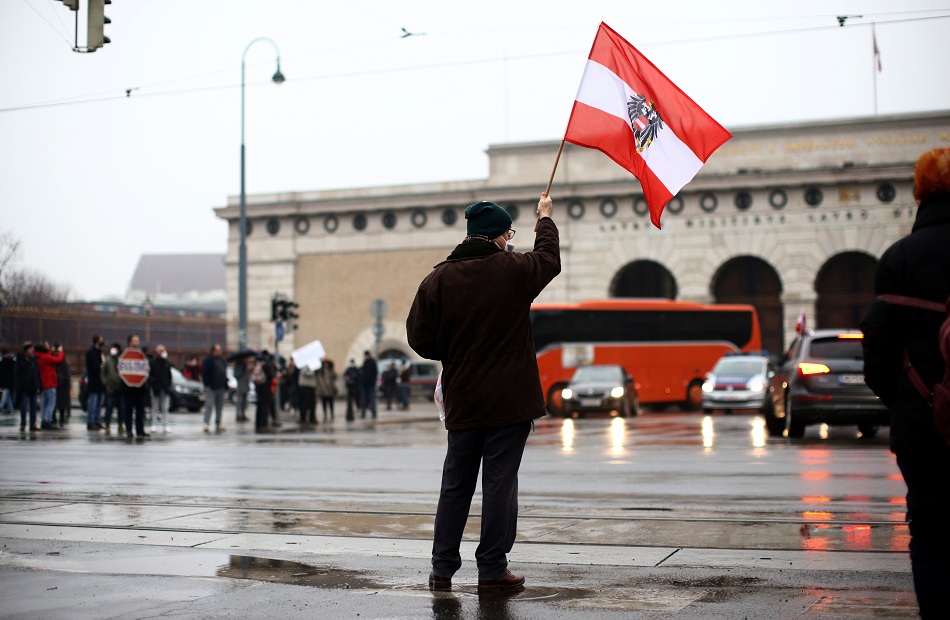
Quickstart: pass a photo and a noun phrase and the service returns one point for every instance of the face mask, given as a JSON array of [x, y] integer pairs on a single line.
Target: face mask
[[113, 351], [164, 355], [508, 247]]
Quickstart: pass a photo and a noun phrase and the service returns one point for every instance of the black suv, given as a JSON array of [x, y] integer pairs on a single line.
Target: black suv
[[820, 380]]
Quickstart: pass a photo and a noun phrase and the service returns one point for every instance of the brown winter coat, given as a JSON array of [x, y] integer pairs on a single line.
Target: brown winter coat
[[471, 312]]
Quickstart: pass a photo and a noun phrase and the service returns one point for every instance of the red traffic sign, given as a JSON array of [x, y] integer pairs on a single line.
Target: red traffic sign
[[133, 367]]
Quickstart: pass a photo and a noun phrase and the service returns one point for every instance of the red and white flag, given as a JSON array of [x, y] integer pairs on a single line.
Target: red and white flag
[[800, 323], [627, 109]]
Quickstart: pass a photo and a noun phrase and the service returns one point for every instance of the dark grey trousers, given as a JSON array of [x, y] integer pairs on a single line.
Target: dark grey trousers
[[500, 449]]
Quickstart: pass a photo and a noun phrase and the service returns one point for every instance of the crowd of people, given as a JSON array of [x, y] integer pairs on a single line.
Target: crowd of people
[[37, 382]]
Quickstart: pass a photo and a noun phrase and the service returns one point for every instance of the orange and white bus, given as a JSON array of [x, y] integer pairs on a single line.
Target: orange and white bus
[[666, 346]]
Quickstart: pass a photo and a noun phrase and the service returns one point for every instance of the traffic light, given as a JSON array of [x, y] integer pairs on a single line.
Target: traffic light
[[95, 30], [290, 313], [274, 309], [73, 5]]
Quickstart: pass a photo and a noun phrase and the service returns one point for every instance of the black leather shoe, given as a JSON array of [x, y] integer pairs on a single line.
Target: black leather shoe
[[511, 581], [440, 583]]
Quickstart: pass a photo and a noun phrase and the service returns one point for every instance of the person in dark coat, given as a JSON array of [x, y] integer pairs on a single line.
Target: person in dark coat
[[471, 312], [369, 372], [160, 384], [917, 266], [64, 396], [95, 389], [263, 377], [390, 378], [133, 400], [27, 385], [214, 376], [7, 372], [351, 379]]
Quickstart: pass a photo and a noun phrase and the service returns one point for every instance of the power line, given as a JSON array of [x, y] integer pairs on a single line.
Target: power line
[[127, 92]]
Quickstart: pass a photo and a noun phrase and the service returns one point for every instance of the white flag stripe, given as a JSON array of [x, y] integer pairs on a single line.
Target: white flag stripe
[[668, 157]]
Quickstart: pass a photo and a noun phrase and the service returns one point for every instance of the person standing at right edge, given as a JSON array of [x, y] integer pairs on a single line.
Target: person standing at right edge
[[472, 313], [917, 266]]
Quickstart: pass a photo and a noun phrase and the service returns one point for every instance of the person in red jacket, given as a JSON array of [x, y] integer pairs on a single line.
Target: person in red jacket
[[48, 360]]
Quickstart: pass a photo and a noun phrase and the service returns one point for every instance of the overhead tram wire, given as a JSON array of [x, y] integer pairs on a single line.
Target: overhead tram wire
[[329, 76]]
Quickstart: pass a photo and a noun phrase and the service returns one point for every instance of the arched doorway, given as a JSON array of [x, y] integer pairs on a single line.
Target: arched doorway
[[845, 288], [751, 280], [644, 278]]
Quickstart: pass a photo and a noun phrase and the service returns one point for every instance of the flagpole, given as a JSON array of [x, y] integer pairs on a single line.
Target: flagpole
[[876, 62], [550, 180]]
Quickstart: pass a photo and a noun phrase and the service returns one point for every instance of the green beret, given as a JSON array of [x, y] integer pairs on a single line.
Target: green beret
[[487, 218]]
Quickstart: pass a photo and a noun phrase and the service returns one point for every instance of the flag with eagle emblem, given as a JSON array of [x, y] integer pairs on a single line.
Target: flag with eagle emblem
[[627, 109]]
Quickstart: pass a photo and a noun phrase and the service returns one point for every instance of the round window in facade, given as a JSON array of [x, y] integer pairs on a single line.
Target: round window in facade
[[418, 218], [886, 192], [675, 205], [302, 225], [512, 211], [708, 202], [640, 206], [389, 220], [778, 198], [743, 201], [273, 226], [449, 217], [359, 221], [575, 210], [608, 208], [331, 223], [813, 196]]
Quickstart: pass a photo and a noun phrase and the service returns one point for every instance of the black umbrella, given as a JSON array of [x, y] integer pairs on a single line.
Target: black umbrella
[[243, 353]]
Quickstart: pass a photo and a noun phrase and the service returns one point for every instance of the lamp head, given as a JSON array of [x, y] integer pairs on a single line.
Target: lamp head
[[278, 76]]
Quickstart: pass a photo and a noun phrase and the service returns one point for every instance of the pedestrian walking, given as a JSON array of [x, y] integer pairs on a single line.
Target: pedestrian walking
[[405, 385], [390, 379], [48, 358], [27, 385], [242, 378], [326, 388], [263, 378], [64, 385], [7, 381], [471, 312], [214, 376], [368, 378], [112, 384], [95, 390], [901, 343], [351, 379], [307, 396], [160, 384]]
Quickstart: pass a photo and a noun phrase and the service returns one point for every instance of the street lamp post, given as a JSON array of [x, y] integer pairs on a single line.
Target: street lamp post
[[148, 306], [278, 78]]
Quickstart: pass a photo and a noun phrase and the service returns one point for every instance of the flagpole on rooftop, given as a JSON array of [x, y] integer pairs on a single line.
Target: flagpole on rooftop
[[551, 180], [876, 65]]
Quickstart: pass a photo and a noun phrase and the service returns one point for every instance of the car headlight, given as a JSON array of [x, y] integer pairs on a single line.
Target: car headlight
[[617, 392], [567, 393], [179, 389], [708, 386], [756, 386]]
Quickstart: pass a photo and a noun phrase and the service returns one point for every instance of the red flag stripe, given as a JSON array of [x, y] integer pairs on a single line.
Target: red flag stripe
[[695, 127]]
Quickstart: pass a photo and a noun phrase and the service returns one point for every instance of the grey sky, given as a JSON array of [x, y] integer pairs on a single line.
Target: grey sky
[[89, 187]]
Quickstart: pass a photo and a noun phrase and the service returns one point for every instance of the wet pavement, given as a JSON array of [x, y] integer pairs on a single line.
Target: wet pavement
[[666, 515]]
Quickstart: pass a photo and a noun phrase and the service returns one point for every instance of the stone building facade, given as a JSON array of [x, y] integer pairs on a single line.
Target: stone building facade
[[790, 218]]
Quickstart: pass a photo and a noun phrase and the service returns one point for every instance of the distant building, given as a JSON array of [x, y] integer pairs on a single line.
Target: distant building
[[790, 218], [185, 281]]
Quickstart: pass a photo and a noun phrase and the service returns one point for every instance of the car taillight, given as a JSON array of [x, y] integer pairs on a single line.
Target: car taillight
[[809, 368]]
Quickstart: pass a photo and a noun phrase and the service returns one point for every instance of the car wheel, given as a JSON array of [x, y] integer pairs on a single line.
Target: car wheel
[[625, 408], [774, 425], [172, 402], [707, 410], [694, 396], [868, 430], [795, 428], [194, 409]]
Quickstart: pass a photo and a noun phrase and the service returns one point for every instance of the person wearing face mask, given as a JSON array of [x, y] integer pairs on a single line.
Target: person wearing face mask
[[160, 382], [471, 313], [112, 383]]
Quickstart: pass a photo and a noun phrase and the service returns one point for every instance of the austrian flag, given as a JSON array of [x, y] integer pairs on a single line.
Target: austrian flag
[[627, 109]]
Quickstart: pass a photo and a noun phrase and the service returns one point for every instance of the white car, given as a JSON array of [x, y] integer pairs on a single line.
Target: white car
[[738, 382]]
